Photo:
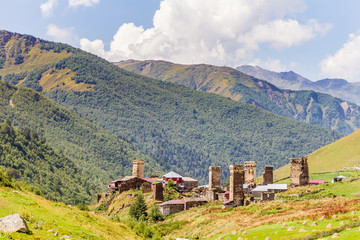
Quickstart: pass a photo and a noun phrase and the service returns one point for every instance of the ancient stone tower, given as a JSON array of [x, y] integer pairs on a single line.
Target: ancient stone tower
[[268, 177], [250, 173], [214, 178], [236, 184], [138, 168], [299, 172]]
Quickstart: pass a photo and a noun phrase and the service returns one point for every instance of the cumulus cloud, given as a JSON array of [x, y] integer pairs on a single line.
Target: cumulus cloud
[[218, 32], [86, 3], [66, 35], [345, 62], [48, 7]]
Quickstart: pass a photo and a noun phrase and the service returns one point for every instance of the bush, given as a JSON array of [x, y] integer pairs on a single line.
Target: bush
[[155, 214], [82, 206]]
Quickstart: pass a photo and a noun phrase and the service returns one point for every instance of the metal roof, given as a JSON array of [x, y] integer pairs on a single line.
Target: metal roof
[[188, 179], [277, 186], [260, 189], [172, 175], [340, 176]]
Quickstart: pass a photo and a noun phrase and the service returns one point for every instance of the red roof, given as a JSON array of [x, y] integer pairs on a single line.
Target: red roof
[[172, 202], [315, 182]]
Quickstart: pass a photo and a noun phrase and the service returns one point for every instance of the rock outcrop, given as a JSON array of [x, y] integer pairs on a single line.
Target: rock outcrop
[[13, 223]]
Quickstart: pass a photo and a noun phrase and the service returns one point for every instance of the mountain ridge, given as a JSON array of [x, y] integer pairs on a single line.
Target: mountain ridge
[[337, 87], [306, 106]]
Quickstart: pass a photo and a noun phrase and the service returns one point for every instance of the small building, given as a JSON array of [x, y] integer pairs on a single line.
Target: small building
[[173, 176], [189, 183], [194, 202], [171, 207], [338, 179], [256, 192], [316, 182], [275, 188]]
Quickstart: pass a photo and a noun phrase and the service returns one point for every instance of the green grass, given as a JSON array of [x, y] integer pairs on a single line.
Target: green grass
[[344, 153], [44, 218], [278, 231]]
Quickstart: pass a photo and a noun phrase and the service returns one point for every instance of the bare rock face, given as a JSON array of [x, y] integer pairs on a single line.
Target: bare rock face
[[13, 223]]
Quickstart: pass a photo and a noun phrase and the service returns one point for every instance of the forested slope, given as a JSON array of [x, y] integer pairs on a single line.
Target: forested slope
[[185, 130], [306, 106], [28, 157], [98, 153]]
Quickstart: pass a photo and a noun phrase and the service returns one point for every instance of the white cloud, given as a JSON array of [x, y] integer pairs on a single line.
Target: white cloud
[[86, 3], [270, 64], [345, 62], [218, 32], [65, 35], [48, 7]]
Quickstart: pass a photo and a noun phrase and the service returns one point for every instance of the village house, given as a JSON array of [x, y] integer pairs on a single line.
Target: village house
[[177, 178]]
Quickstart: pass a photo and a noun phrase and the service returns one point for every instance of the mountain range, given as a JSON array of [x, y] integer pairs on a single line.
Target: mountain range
[[304, 105], [340, 88], [110, 116]]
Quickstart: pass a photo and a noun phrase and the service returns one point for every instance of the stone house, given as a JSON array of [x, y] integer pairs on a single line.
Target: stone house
[[171, 207]]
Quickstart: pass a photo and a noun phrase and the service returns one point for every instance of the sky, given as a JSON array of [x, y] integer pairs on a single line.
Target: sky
[[314, 38]]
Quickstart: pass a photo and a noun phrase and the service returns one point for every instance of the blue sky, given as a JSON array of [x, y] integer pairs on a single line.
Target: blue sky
[[315, 38]]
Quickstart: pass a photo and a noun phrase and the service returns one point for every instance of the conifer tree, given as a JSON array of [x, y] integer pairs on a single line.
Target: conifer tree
[[138, 208]]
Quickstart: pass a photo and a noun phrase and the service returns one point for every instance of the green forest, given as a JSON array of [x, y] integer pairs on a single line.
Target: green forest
[[99, 154], [31, 159]]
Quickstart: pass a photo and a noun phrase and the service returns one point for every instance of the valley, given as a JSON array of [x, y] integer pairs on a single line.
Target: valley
[[72, 123]]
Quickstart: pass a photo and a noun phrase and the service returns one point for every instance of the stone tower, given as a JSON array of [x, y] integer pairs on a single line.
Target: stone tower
[[268, 177], [250, 173], [299, 172], [138, 168], [236, 184], [214, 178]]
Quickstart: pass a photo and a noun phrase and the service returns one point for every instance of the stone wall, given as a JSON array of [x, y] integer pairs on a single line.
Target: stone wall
[[166, 210], [157, 190], [190, 203], [236, 184], [268, 175], [138, 168], [299, 171], [267, 196], [250, 173], [214, 178], [133, 183]]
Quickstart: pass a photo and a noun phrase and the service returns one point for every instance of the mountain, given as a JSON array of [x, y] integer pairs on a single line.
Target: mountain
[[183, 129], [339, 88], [305, 106], [97, 153], [29, 158]]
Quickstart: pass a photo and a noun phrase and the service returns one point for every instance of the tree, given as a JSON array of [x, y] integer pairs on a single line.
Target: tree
[[155, 214], [138, 208]]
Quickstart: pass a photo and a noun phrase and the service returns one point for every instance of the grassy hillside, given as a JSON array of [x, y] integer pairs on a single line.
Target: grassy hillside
[[29, 158], [306, 106], [54, 220], [185, 130], [341, 154], [96, 152]]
